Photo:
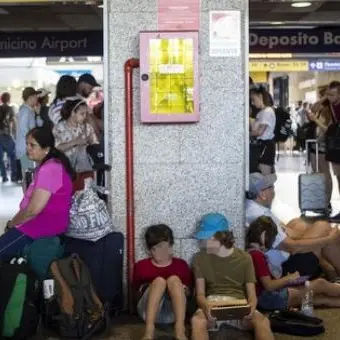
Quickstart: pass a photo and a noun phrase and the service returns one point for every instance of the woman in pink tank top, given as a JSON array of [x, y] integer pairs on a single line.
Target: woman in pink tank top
[[44, 210]]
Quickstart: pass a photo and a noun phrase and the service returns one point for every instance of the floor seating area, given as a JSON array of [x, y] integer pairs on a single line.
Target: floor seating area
[[127, 327]]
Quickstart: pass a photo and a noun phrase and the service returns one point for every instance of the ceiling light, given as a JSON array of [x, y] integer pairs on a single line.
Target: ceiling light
[[301, 4], [100, 6], [277, 23]]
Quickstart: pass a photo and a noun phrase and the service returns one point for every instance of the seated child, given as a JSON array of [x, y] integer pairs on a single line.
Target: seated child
[[221, 271], [275, 294], [162, 282]]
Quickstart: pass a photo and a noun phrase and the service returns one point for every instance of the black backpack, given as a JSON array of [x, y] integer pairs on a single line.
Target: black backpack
[[19, 301], [295, 323], [4, 116], [283, 126]]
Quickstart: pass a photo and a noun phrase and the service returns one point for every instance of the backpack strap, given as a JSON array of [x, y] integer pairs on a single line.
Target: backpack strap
[[65, 296], [79, 287], [92, 301], [84, 290]]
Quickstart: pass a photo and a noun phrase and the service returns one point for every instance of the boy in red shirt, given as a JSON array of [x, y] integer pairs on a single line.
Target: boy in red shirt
[[162, 282], [286, 291]]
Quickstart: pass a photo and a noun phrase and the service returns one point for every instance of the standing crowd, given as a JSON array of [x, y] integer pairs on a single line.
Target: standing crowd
[[50, 145], [318, 121], [71, 117]]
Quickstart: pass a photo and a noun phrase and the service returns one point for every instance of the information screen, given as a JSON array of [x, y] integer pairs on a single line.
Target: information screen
[[171, 76]]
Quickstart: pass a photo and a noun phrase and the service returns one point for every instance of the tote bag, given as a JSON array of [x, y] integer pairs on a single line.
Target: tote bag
[[89, 217]]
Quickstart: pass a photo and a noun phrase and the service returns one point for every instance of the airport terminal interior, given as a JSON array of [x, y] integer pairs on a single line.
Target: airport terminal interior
[[294, 54]]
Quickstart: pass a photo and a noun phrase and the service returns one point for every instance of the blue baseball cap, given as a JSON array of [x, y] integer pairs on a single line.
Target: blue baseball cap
[[211, 224]]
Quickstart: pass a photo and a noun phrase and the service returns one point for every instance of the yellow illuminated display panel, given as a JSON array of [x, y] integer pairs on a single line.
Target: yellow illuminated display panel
[[171, 63]]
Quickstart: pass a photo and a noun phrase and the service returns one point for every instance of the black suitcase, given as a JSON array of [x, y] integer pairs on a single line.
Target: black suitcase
[[104, 259]]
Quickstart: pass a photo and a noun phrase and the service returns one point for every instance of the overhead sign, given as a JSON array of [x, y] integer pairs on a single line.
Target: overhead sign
[[294, 41], [324, 65], [279, 66], [51, 44]]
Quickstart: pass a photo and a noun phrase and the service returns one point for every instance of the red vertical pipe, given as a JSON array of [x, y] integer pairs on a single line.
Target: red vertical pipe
[[130, 206]]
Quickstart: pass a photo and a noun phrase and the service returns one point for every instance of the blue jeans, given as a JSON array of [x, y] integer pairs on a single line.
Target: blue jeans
[[12, 243], [7, 145]]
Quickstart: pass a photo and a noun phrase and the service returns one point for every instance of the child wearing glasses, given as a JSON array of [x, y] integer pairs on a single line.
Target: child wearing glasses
[[162, 283]]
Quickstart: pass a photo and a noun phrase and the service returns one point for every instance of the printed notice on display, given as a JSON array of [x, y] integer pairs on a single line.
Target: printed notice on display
[[225, 34], [176, 15]]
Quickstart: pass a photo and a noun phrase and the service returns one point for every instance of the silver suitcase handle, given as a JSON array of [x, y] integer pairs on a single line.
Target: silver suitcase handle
[[311, 141]]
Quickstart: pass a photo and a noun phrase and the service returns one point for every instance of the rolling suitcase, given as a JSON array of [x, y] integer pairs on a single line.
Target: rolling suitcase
[[104, 258], [312, 191]]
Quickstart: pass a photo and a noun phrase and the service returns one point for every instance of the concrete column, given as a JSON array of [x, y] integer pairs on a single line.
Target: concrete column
[[181, 171]]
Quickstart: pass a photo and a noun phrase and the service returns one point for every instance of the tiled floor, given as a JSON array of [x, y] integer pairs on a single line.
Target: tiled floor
[[130, 328]]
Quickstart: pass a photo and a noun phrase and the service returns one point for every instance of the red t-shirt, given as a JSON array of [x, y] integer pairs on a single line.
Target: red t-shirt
[[145, 272], [261, 268]]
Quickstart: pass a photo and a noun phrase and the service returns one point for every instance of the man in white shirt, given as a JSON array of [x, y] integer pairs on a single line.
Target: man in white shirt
[[297, 241]]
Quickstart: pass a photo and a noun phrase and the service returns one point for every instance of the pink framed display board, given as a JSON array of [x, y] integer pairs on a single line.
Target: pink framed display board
[[169, 77]]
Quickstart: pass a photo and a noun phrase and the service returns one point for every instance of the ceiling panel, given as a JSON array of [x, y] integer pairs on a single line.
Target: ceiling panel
[[323, 16], [330, 6], [71, 16], [287, 8], [265, 12]]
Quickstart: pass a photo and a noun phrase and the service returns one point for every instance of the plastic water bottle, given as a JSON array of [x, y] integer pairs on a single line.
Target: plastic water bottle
[[307, 306]]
